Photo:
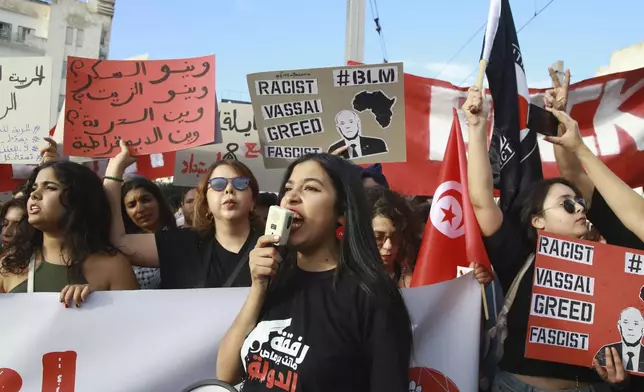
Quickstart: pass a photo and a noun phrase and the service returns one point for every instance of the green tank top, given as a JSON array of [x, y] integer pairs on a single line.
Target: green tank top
[[48, 278]]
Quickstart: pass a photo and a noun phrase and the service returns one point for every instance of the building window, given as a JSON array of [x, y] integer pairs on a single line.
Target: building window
[[61, 102], [23, 33], [5, 30], [103, 34], [69, 36], [80, 35], [64, 75]]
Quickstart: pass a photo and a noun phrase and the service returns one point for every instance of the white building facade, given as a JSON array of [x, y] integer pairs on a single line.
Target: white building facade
[[56, 28]]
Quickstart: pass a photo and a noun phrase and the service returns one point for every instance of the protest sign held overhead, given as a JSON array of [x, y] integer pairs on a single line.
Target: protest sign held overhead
[[156, 105], [240, 142], [586, 297], [323, 109], [25, 84]]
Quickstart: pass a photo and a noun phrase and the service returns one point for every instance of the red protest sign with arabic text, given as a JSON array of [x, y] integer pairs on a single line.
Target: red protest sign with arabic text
[[155, 105], [586, 297]]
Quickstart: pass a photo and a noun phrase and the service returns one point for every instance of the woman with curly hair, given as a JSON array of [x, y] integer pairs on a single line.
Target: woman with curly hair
[[63, 245], [12, 213], [397, 232]]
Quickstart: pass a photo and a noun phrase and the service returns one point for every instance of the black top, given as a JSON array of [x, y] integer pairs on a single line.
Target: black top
[[181, 258], [314, 337], [508, 253]]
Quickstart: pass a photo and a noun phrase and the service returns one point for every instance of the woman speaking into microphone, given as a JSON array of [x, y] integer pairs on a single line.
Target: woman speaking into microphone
[[330, 318]]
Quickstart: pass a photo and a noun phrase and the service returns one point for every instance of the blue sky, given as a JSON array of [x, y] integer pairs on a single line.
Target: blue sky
[[263, 35]]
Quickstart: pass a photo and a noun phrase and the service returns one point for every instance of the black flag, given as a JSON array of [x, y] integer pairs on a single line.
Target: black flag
[[514, 152]]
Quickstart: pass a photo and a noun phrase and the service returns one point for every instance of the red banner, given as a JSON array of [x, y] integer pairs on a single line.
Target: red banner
[[586, 297], [609, 109]]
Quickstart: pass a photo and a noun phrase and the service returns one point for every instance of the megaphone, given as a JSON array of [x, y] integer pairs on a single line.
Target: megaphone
[[210, 386]]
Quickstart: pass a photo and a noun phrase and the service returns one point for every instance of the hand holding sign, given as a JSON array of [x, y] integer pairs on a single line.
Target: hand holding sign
[[614, 372]]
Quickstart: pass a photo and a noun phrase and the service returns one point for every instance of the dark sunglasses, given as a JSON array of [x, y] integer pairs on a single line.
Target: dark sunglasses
[[220, 183], [570, 205]]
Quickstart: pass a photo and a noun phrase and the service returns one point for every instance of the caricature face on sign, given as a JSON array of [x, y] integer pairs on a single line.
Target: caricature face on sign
[[347, 123], [446, 213]]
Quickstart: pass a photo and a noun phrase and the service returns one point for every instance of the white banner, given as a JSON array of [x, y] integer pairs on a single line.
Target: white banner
[[25, 96], [164, 341], [240, 142]]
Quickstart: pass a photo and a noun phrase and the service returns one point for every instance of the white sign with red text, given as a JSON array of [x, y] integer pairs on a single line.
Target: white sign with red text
[[240, 142], [166, 340]]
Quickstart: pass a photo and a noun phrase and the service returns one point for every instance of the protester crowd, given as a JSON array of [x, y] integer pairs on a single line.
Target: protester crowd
[[352, 244]]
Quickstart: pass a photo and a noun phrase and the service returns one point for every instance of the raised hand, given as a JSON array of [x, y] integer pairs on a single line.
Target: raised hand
[[557, 97], [122, 160], [49, 153], [474, 107], [571, 138]]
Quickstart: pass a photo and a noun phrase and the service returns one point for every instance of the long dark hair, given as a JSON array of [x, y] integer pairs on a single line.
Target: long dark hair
[[359, 253], [17, 203], [393, 206], [530, 204], [85, 222], [166, 217]]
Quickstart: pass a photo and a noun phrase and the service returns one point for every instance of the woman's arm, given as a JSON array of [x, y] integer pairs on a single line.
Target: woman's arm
[[624, 201], [568, 164], [121, 274], [479, 171], [141, 249], [263, 261]]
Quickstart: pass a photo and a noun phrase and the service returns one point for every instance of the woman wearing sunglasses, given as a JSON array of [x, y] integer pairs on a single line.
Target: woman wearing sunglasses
[[214, 253], [554, 205]]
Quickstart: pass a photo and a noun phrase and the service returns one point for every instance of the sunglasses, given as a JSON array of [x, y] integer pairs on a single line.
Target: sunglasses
[[220, 183], [570, 205]]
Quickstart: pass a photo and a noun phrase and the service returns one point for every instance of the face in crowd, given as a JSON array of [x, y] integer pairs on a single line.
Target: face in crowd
[[558, 208], [12, 214], [44, 207], [311, 195], [188, 205], [386, 238], [227, 195], [142, 208]]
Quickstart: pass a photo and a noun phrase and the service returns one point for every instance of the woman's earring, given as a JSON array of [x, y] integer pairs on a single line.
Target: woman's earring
[[339, 232]]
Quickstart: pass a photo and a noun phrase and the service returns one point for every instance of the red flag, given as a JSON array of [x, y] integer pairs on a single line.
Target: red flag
[[452, 237]]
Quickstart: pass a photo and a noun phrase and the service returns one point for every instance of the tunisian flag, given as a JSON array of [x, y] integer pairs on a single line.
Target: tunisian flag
[[452, 237]]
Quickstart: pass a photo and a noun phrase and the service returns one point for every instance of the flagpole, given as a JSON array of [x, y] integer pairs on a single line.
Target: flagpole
[[481, 74], [485, 310]]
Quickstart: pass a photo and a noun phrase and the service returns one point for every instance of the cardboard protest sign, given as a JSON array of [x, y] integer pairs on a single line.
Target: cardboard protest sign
[[25, 100], [586, 297], [156, 105], [323, 109], [240, 142]]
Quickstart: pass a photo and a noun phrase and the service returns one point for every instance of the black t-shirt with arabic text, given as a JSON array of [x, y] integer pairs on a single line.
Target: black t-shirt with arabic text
[[314, 337]]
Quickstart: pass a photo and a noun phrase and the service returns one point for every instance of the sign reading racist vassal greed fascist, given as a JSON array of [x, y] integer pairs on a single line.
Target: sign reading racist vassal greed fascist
[[586, 297], [323, 109]]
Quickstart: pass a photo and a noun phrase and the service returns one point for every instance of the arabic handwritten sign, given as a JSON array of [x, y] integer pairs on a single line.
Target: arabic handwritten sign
[[240, 142], [25, 97], [323, 109], [155, 105]]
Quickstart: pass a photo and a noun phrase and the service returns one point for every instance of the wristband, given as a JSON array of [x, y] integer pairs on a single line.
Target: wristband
[[113, 178]]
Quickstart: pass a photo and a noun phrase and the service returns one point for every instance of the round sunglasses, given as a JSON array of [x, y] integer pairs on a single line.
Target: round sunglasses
[[220, 183], [570, 205]]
